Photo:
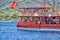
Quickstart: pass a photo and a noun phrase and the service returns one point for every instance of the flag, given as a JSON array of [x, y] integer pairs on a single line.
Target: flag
[[14, 4]]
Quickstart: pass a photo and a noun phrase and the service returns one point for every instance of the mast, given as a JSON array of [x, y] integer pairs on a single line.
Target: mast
[[44, 6]]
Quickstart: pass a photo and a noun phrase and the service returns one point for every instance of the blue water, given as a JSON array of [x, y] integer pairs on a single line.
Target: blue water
[[9, 31]]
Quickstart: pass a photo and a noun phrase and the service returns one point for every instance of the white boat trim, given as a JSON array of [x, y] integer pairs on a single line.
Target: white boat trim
[[40, 29]]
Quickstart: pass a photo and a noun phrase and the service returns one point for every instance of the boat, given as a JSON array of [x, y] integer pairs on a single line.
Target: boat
[[38, 16]]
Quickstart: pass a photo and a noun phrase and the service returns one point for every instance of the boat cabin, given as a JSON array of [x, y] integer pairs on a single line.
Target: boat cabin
[[38, 16]]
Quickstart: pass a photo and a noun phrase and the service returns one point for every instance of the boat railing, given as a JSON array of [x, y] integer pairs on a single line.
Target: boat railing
[[42, 19]]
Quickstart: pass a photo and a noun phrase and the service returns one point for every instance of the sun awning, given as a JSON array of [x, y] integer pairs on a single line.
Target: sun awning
[[34, 6]]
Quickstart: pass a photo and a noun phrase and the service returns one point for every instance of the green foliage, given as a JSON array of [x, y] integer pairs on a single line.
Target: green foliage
[[8, 16]]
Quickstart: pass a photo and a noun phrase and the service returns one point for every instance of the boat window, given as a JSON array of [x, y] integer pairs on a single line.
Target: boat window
[[54, 20], [50, 10], [46, 20], [19, 19], [31, 18], [40, 11], [22, 11], [24, 19], [31, 11], [37, 19]]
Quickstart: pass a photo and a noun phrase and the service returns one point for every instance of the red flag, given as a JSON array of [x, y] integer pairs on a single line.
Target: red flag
[[14, 4]]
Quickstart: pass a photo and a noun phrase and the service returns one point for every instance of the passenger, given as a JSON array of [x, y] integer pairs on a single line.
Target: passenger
[[24, 19], [47, 20], [57, 21], [31, 19], [38, 20], [54, 20], [51, 22], [28, 20]]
